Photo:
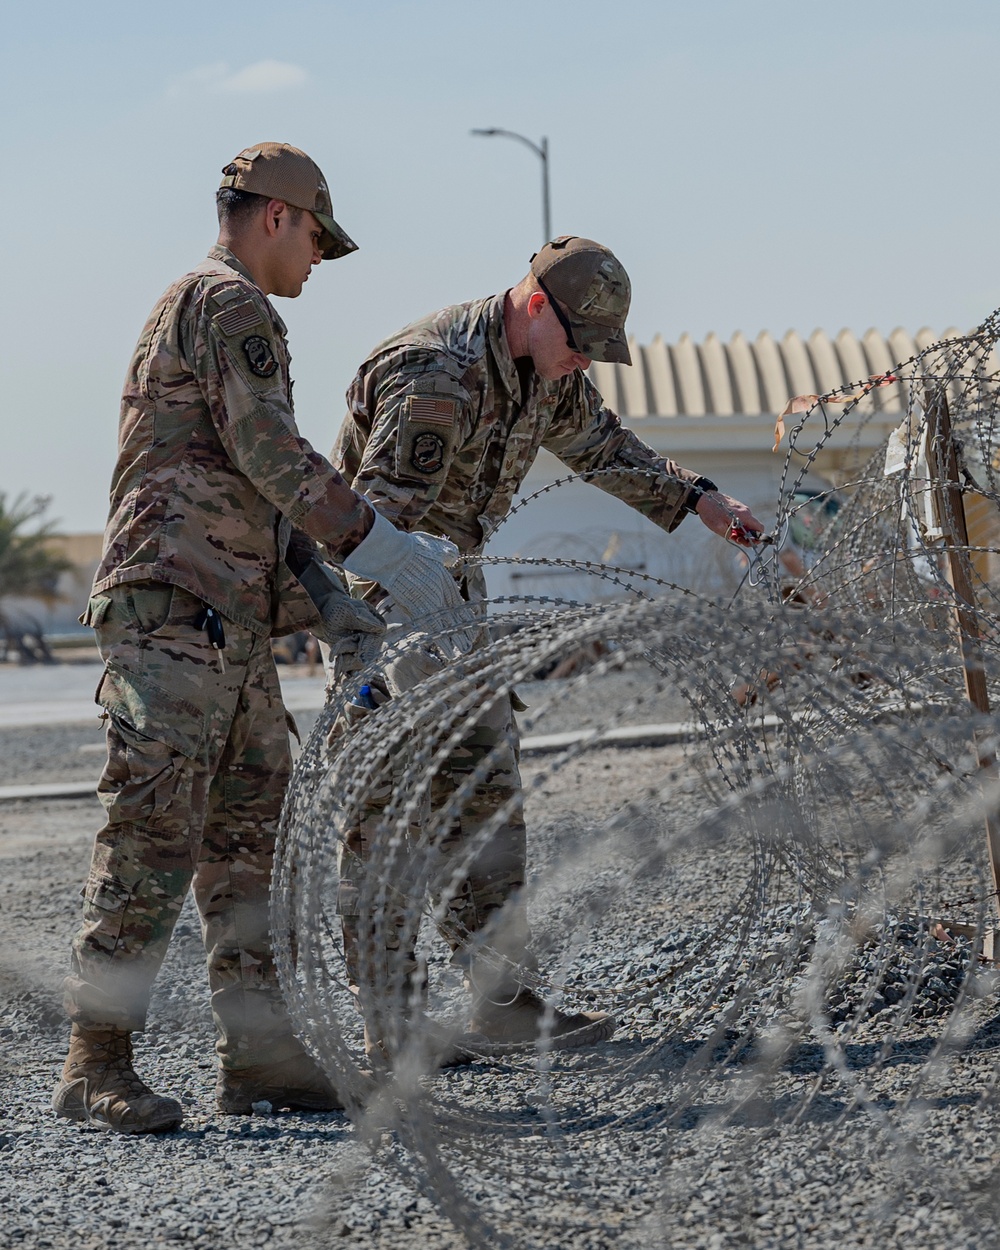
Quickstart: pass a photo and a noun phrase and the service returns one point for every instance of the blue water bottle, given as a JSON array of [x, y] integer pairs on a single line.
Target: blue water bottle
[[364, 698]]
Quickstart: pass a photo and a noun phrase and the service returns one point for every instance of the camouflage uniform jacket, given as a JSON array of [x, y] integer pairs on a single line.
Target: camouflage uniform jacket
[[439, 432], [212, 474]]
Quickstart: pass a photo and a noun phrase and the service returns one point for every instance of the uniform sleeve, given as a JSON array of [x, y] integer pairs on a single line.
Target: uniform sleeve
[[236, 357], [418, 410], [588, 436]]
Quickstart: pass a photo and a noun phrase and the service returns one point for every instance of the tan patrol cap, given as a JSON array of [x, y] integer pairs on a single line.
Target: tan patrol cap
[[281, 172], [594, 287]]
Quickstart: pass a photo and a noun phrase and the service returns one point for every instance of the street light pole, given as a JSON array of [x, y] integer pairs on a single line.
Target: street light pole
[[546, 209], [542, 152]]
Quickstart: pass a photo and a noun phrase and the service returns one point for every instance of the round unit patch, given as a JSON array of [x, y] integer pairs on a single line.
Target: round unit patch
[[427, 455], [260, 356]]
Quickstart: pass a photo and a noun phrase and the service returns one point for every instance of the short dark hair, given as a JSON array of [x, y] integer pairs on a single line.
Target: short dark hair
[[237, 208]]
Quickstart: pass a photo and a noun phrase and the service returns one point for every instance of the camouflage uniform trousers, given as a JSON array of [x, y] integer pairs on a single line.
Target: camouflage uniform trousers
[[198, 762], [376, 953]]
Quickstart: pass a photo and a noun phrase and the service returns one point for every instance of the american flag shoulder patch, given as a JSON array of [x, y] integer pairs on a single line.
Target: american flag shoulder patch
[[239, 317], [431, 410]]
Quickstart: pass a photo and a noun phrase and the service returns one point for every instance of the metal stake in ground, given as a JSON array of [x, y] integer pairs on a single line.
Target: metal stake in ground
[[949, 505]]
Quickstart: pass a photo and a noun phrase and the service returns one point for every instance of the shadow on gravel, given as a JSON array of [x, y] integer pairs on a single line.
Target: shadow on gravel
[[820, 1110], [292, 1131], [641, 1119], [673, 1053], [986, 1037], [860, 1056]]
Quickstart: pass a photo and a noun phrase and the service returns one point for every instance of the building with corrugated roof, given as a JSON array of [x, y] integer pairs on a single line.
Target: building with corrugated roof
[[710, 406]]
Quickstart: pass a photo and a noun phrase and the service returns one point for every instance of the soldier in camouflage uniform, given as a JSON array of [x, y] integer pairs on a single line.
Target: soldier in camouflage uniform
[[445, 419], [221, 516]]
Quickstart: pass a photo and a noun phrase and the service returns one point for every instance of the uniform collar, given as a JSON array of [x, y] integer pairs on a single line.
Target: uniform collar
[[231, 261], [497, 335]]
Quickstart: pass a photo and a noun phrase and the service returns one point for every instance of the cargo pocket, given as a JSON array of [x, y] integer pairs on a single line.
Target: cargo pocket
[[108, 889], [108, 893], [152, 711], [152, 739], [105, 900]]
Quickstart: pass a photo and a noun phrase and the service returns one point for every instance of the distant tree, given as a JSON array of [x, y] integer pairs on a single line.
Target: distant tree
[[29, 569]]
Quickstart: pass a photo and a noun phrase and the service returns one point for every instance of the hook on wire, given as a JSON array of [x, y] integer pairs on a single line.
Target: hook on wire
[[759, 550]]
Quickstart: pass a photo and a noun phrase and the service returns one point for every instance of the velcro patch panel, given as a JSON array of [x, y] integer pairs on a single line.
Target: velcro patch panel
[[239, 317], [431, 410]]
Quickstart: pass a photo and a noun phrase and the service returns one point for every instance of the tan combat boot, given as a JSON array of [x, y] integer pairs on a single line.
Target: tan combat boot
[[99, 1086], [525, 1020], [438, 1048], [295, 1084]]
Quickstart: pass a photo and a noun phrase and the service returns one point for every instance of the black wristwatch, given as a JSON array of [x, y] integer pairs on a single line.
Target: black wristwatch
[[700, 486]]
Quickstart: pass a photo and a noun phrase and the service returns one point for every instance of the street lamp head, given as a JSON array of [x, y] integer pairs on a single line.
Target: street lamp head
[[542, 152]]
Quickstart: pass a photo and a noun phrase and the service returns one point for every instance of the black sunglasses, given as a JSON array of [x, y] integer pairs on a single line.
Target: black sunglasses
[[563, 319]]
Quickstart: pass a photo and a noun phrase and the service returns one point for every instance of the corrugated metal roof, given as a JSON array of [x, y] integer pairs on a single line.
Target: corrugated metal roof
[[740, 378]]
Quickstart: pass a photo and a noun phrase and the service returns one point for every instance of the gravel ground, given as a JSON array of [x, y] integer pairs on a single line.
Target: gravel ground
[[685, 1130], [51, 753]]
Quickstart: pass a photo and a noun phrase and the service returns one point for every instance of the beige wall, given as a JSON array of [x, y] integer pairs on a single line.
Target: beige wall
[[84, 550]]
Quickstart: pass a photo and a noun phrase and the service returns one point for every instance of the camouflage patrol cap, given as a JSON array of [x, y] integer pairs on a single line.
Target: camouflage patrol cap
[[590, 281], [281, 172]]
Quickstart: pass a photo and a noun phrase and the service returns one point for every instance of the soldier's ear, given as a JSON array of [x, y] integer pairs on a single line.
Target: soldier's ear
[[536, 304], [275, 212]]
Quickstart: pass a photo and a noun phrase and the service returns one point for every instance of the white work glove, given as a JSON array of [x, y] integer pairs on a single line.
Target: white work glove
[[346, 621], [405, 666], [413, 568]]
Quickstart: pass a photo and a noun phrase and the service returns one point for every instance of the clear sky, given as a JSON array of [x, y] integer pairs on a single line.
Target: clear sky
[[756, 164]]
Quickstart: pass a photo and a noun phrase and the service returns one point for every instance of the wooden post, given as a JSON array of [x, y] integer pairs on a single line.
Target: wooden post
[[949, 505]]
